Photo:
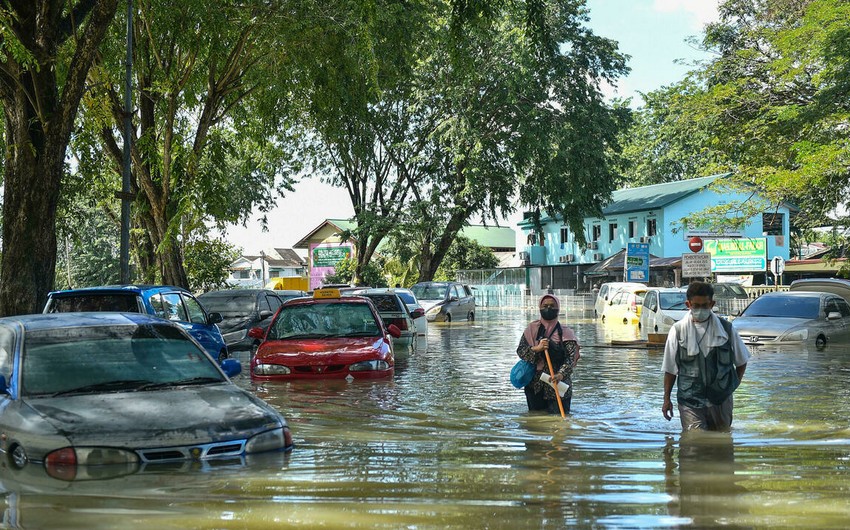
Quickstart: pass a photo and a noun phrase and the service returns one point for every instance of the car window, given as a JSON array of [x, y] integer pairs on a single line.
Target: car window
[[831, 306], [844, 308], [619, 298], [406, 297], [193, 307], [235, 304], [273, 301], [673, 301], [468, 290], [385, 303], [170, 307], [123, 302], [336, 319], [430, 292], [157, 354], [784, 307], [7, 351], [455, 292], [603, 292]]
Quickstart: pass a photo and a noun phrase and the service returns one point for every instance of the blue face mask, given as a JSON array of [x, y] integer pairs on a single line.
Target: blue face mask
[[701, 314]]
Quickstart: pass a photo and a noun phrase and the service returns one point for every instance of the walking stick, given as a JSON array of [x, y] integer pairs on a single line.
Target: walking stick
[[555, 384]]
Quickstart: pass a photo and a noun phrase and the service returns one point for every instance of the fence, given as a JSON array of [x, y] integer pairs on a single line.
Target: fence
[[515, 276]]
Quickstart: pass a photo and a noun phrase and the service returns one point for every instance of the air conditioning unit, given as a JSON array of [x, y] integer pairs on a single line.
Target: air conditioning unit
[[562, 259], [598, 256], [594, 245], [523, 256], [569, 258], [645, 239]]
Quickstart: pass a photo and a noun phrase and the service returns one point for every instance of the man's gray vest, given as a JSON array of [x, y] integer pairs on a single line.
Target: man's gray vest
[[707, 379]]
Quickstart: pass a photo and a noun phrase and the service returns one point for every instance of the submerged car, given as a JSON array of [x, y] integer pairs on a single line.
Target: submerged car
[[329, 336], [174, 304], [662, 307], [608, 290], [624, 306], [393, 310], [794, 317], [121, 389], [445, 301], [417, 312], [241, 310]]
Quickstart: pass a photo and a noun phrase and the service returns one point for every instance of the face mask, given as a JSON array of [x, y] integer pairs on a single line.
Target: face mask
[[700, 314], [549, 313]]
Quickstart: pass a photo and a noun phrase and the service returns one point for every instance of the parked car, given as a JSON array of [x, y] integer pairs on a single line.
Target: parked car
[[328, 336], [241, 310], [124, 389], [730, 298], [417, 312], [624, 305], [286, 294], [393, 310], [662, 307], [165, 301], [445, 301], [793, 317], [608, 290], [836, 286]]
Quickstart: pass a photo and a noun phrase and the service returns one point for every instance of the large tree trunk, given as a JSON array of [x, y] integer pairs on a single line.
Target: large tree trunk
[[429, 263]]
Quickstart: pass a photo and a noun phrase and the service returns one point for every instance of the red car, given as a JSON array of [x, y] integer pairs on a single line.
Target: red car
[[328, 336]]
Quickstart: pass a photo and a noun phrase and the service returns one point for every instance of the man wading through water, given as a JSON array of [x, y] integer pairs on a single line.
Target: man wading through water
[[706, 357]]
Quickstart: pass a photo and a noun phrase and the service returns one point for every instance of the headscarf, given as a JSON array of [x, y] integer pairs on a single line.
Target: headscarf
[[531, 331]]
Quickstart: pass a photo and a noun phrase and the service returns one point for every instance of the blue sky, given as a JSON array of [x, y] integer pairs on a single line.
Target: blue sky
[[652, 32]]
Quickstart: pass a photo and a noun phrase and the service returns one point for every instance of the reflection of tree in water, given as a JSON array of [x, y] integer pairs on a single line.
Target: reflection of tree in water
[[707, 490]]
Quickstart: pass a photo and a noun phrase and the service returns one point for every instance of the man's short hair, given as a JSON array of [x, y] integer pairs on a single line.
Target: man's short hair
[[700, 289]]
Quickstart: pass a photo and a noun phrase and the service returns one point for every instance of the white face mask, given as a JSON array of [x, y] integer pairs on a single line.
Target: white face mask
[[700, 315]]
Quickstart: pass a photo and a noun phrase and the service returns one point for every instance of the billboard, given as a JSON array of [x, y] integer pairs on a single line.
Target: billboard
[[737, 255], [323, 260]]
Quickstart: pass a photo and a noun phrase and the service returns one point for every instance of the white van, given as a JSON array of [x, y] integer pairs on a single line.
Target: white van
[[608, 290], [662, 307]]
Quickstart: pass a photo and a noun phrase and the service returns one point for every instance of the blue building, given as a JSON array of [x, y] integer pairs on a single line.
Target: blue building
[[647, 214]]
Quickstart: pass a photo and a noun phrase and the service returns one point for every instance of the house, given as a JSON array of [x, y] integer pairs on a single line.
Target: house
[[326, 246], [254, 271], [652, 215]]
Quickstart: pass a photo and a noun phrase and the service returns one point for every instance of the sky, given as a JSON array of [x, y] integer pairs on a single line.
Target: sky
[[653, 33]]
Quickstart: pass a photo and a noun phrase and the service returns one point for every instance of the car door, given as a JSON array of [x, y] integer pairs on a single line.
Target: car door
[[468, 299], [649, 315]]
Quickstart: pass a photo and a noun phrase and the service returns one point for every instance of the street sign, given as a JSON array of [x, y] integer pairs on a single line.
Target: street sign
[[777, 265], [737, 255], [696, 265], [695, 244], [637, 262]]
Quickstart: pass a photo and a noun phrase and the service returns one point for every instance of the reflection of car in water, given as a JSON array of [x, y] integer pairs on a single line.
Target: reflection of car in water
[[121, 389], [624, 306], [325, 337], [608, 290], [662, 307], [445, 301], [171, 303], [789, 317], [241, 310]]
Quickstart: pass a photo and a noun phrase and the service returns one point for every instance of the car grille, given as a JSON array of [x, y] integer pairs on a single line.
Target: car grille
[[329, 369], [758, 339], [192, 452]]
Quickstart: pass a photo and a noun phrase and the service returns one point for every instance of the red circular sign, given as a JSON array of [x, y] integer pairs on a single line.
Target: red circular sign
[[695, 244]]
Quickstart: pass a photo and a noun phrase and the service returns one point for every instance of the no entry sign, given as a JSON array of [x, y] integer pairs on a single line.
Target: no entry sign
[[695, 244]]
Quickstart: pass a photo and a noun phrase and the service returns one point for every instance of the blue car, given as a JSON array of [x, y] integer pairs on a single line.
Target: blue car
[[171, 303], [80, 392]]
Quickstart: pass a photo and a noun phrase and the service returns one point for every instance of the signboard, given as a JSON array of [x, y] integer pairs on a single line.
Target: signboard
[[637, 262], [330, 256], [777, 265], [737, 255], [712, 234], [696, 265], [695, 244]]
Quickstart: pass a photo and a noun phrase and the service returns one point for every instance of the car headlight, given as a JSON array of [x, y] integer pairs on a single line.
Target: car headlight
[[434, 310], [364, 366], [797, 335], [271, 369], [70, 463], [668, 320], [235, 336], [271, 440]]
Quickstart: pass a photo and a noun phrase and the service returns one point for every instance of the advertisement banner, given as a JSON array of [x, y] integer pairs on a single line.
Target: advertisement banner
[[323, 260], [737, 255], [637, 262]]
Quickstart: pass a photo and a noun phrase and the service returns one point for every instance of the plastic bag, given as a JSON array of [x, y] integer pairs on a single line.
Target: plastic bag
[[522, 373]]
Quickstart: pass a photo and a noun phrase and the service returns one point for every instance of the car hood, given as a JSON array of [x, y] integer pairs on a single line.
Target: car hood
[[428, 304], [309, 352], [158, 418], [675, 314], [768, 325]]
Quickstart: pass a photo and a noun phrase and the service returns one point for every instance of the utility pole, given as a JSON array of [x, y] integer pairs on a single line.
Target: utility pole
[[125, 195]]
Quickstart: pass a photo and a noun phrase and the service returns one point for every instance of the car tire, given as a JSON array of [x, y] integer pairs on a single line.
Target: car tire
[[471, 316], [820, 342]]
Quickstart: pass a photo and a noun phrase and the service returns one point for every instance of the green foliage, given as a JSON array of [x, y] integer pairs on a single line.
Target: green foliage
[[88, 248], [372, 274], [208, 262], [465, 254]]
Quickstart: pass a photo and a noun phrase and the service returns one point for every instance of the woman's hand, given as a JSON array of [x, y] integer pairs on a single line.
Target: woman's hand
[[544, 344], [557, 378]]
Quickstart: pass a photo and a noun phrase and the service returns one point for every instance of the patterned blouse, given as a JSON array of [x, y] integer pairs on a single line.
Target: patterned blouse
[[537, 358]]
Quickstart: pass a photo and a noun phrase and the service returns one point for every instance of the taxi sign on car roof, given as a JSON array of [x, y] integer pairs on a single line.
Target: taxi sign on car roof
[[326, 293]]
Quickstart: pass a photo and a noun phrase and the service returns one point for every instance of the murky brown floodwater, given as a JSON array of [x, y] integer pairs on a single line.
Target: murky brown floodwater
[[449, 443]]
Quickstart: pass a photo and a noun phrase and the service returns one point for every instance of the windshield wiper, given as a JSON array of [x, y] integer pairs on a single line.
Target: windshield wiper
[[107, 386], [181, 382]]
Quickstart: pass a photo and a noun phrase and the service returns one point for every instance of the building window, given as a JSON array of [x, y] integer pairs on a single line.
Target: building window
[[651, 227], [597, 232], [612, 231], [244, 275], [532, 239], [771, 224], [565, 234], [632, 229]]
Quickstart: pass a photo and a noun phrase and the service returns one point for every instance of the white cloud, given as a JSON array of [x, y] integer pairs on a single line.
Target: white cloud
[[701, 11]]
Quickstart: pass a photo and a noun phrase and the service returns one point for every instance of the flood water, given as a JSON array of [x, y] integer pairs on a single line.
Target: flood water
[[449, 443]]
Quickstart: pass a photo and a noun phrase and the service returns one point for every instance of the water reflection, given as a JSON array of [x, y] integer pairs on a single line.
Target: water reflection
[[448, 442]]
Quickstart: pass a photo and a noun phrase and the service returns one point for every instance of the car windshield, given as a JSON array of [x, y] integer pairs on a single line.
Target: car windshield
[[672, 301], [97, 359], [385, 303], [730, 290], [334, 319], [784, 307], [121, 302], [230, 304], [406, 297], [430, 292]]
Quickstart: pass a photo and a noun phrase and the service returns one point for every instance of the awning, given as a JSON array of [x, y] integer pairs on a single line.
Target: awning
[[616, 262]]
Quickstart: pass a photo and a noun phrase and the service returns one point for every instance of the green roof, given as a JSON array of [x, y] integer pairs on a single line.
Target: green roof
[[656, 196], [490, 236]]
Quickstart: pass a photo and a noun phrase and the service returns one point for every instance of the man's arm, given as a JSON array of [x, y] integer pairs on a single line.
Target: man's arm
[[741, 369], [667, 407]]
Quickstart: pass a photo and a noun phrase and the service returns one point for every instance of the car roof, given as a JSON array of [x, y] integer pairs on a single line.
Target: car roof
[[231, 292], [667, 289], [65, 320], [796, 294], [835, 286], [134, 289], [309, 300]]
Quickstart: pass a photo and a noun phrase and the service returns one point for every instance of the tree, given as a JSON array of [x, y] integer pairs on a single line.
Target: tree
[[208, 263], [372, 274], [46, 50], [465, 254]]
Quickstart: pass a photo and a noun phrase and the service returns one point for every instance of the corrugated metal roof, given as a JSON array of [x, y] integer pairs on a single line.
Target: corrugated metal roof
[[490, 236], [657, 195]]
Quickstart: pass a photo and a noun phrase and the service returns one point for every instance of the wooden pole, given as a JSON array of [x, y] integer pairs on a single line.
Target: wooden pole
[[554, 383]]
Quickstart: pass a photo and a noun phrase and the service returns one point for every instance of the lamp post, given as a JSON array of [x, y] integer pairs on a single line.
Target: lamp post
[[125, 195]]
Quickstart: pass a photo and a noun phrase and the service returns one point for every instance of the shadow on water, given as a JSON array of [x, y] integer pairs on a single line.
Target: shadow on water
[[448, 442]]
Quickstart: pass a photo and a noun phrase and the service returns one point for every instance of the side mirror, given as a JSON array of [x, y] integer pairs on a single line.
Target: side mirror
[[264, 314], [453, 299], [231, 367], [214, 318], [736, 313], [417, 313], [257, 333], [715, 309], [394, 331], [833, 315], [4, 389]]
